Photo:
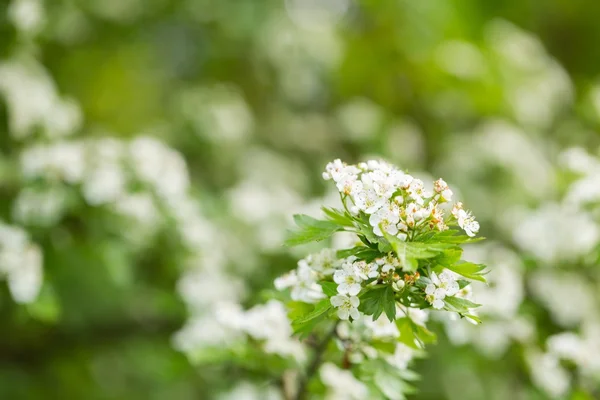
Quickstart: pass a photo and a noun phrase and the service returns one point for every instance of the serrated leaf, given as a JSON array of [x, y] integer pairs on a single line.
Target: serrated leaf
[[414, 335], [377, 301], [360, 252], [450, 236], [459, 305], [329, 288], [305, 324], [469, 270], [338, 216], [386, 347], [311, 230]]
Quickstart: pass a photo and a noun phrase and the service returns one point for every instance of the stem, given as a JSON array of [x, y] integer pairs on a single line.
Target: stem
[[314, 365]]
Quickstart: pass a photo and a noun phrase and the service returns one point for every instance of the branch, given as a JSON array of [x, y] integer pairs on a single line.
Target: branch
[[315, 364]]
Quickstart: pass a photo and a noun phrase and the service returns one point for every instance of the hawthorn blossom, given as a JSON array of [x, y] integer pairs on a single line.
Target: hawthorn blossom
[[365, 270], [389, 262], [347, 306], [303, 281], [467, 222], [439, 288], [441, 187], [347, 279], [385, 219], [382, 328]]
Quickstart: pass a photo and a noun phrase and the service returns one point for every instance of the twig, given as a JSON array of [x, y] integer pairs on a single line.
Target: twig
[[315, 364]]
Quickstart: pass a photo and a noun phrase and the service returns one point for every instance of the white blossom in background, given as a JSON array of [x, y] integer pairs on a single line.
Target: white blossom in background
[[555, 233], [547, 373], [360, 118], [382, 327], [61, 160], [20, 263], [269, 322], [28, 16], [537, 87], [42, 207], [402, 356], [341, 384], [544, 284], [250, 391], [163, 168], [218, 113], [33, 101], [461, 59], [303, 281]]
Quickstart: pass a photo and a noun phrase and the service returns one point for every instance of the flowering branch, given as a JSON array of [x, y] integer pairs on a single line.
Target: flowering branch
[[405, 261]]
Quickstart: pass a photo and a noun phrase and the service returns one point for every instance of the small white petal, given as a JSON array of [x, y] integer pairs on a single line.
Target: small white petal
[[337, 300], [343, 313], [438, 304]]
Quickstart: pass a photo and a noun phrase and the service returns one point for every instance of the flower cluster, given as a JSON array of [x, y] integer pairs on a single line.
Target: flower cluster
[[396, 203], [406, 260], [440, 287]]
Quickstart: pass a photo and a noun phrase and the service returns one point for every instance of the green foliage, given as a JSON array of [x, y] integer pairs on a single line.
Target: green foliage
[[468, 270], [340, 217], [304, 325], [311, 230], [329, 288], [361, 253], [378, 300], [414, 335]]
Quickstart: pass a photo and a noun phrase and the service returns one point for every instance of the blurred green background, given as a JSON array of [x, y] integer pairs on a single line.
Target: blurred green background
[[153, 152]]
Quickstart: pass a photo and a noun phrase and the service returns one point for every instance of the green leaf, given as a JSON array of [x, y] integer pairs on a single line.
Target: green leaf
[[329, 288], [410, 252], [449, 256], [469, 270], [311, 230], [338, 216], [360, 252], [451, 236], [304, 324], [388, 379], [459, 305], [472, 317], [386, 347], [414, 335], [377, 301]]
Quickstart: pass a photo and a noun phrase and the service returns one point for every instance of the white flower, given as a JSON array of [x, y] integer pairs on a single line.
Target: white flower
[[303, 282], [385, 218], [467, 222], [347, 306], [347, 280], [342, 384], [439, 288], [365, 270], [448, 282], [338, 171], [388, 263], [416, 191], [382, 328], [324, 262], [368, 200], [401, 357], [345, 183], [441, 187]]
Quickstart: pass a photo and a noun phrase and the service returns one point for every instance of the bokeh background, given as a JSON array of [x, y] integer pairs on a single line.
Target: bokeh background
[[152, 153]]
